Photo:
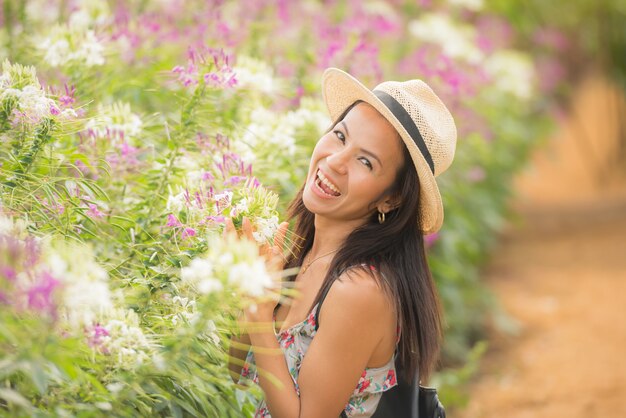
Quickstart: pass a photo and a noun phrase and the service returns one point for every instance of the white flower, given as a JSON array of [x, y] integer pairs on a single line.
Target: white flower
[[209, 285], [126, 340], [265, 229], [242, 206], [512, 72], [457, 40], [42, 11], [57, 51], [252, 278], [211, 331], [31, 102], [223, 199], [85, 301], [267, 128], [85, 291], [185, 309], [474, 5], [71, 44], [115, 118], [256, 75], [176, 203], [91, 51], [225, 258], [197, 269], [270, 130], [186, 163], [200, 274], [89, 13], [12, 226], [380, 8]]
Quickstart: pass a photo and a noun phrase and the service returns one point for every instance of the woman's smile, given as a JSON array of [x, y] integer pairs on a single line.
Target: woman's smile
[[325, 185]]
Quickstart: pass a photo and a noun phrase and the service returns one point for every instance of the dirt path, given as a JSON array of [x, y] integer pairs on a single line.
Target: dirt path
[[560, 273]]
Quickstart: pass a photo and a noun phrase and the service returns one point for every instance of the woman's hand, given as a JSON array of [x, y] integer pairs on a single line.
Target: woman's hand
[[262, 311]]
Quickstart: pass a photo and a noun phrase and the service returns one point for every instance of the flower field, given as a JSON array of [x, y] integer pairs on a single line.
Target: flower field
[[130, 131]]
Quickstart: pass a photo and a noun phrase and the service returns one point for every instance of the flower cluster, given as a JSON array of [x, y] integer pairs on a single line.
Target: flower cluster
[[53, 280], [23, 100], [120, 336], [209, 66], [279, 130], [216, 188], [230, 262], [50, 278], [65, 44]]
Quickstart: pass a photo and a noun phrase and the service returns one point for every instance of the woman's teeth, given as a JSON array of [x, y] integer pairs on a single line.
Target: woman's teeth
[[326, 186]]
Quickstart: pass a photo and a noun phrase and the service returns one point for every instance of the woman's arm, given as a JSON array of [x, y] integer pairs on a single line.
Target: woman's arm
[[238, 350], [355, 317], [281, 397]]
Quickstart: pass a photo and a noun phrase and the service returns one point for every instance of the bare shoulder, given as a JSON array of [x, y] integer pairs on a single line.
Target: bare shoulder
[[357, 293]]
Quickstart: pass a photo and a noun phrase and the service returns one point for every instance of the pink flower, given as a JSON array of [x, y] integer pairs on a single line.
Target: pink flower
[[172, 221], [431, 239], [8, 273], [476, 174], [40, 295], [53, 207], [93, 212], [68, 98], [188, 232], [95, 338], [217, 219]]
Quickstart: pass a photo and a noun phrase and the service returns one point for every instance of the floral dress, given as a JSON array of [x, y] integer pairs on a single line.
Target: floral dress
[[295, 341]]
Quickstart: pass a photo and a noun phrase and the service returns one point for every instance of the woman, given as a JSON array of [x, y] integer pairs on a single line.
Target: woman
[[365, 294]]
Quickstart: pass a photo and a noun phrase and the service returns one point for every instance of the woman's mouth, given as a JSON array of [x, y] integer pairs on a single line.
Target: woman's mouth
[[325, 185]]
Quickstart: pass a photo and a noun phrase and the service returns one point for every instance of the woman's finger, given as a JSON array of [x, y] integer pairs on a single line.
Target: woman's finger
[[229, 227], [246, 227]]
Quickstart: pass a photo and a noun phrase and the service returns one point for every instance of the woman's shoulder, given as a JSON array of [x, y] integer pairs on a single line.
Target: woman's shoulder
[[358, 290]]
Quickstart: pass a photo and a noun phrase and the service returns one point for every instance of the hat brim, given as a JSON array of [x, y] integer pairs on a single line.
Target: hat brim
[[340, 90]]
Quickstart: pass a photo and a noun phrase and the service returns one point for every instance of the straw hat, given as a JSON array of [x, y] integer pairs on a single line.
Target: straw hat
[[420, 117]]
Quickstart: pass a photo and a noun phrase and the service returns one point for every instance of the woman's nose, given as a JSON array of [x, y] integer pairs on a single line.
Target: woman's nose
[[338, 161]]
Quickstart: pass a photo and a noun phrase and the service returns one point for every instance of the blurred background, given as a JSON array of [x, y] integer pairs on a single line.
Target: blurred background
[[531, 260]]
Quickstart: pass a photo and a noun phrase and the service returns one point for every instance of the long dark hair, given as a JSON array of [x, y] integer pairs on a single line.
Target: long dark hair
[[396, 250]]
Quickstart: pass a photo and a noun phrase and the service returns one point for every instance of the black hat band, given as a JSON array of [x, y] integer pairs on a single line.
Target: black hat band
[[407, 122]]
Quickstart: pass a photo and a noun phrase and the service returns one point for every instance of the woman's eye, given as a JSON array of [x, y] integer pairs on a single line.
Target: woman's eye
[[340, 136], [366, 162]]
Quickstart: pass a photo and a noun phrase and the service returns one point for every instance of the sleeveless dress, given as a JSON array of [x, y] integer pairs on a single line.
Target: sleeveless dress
[[295, 342]]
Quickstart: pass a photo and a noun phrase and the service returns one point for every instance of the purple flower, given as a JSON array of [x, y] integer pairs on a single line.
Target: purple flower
[[476, 174], [95, 338], [216, 62], [234, 180], [93, 212], [8, 273], [172, 221], [188, 232], [40, 295], [430, 239], [216, 219]]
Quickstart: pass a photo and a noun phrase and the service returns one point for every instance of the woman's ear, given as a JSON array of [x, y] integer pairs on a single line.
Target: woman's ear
[[388, 204]]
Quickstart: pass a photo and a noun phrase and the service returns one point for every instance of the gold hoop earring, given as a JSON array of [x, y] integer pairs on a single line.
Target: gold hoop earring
[[381, 217]]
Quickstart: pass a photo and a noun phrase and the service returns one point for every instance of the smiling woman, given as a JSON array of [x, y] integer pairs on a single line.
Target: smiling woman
[[366, 300]]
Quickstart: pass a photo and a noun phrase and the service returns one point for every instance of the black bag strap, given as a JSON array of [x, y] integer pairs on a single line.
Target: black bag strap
[[319, 307]]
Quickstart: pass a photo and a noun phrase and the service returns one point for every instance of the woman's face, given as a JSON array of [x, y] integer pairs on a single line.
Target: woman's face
[[353, 166]]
